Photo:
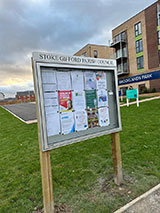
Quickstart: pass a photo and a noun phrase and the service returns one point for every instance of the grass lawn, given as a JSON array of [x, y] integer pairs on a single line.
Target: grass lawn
[[82, 172], [134, 99]]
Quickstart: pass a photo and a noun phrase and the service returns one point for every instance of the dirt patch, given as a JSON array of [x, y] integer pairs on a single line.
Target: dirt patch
[[61, 208], [58, 208], [108, 186]]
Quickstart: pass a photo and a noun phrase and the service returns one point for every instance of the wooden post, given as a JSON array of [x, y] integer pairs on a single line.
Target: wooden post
[[47, 186], [116, 156]]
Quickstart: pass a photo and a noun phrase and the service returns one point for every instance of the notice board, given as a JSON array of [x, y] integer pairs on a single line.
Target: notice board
[[76, 97]]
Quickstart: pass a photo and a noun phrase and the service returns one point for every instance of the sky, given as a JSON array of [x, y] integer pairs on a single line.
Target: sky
[[58, 26]]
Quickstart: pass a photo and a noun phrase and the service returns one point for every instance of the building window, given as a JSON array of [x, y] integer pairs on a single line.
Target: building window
[[140, 63], [139, 46], [159, 55], [95, 54], [138, 29], [158, 37], [120, 37], [158, 14]]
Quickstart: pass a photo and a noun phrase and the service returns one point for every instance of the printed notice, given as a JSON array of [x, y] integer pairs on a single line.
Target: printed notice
[[53, 124], [49, 77], [101, 80], [64, 80], [102, 98], [103, 116], [51, 109], [67, 122], [77, 80], [92, 118], [90, 80], [91, 99], [78, 100], [50, 102], [65, 100], [49, 87], [81, 121]]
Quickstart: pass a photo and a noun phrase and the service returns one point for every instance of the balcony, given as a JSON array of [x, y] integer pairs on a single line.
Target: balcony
[[122, 71], [120, 55], [116, 42]]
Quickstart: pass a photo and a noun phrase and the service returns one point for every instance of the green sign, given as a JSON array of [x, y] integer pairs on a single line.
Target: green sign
[[132, 93], [91, 99]]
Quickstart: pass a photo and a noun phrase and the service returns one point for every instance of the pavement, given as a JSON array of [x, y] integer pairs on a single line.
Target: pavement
[[26, 112], [149, 202]]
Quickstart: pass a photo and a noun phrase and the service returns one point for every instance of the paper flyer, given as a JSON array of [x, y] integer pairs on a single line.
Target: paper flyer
[[63, 80], [77, 80], [103, 116], [102, 98], [90, 80], [91, 99], [78, 100], [67, 122], [49, 87], [53, 124], [65, 100], [49, 77], [101, 80], [81, 121], [92, 118], [50, 95], [50, 102], [51, 109]]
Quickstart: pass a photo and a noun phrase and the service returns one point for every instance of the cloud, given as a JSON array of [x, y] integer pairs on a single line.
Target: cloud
[[10, 91], [61, 26]]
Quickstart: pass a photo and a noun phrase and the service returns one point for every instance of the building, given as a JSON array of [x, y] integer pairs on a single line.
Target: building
[[96, 51], [25, 96], [137, 50]]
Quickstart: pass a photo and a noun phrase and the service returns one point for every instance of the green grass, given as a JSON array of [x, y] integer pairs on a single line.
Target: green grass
[[134, 99], [82, 172]]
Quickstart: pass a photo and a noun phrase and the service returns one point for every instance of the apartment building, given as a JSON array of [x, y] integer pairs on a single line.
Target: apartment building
[[96, 51], [137, 50]]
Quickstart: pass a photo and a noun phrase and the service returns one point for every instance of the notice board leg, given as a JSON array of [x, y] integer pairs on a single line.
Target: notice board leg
[[116, 156], [47, 186]]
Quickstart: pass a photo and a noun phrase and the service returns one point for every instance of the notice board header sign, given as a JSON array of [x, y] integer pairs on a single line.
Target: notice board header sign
[[76, 97]]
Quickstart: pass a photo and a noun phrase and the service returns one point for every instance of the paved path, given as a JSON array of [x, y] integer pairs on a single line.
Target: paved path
[[24, 111], [149, 202], [144, 100]]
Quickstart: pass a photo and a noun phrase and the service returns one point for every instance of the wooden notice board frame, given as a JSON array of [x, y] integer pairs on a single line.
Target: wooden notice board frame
[[65, 63]]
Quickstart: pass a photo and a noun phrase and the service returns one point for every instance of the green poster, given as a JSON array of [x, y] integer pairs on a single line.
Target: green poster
[[131, 93], [91, 99]]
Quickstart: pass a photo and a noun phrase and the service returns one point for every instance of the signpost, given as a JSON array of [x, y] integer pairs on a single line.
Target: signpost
[[132, 94], [77, 99]]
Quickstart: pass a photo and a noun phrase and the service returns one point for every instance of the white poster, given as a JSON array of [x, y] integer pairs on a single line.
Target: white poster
[[78, 100], [103, 116], [50, 102], [90, 80], [81, 120], [48, 77], [49, 87], [53, 124], [102, 98], [64, 81], [67, 122], [101, 80], [77, 80], [49, 95], [51, 109]]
